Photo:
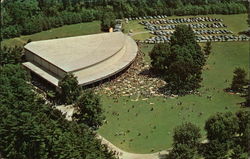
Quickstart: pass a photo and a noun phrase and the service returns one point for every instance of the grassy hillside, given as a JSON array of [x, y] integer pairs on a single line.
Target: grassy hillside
[[65, 31]]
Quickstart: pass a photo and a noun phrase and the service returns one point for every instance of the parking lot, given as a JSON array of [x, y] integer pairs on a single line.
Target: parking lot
[[205, 28]]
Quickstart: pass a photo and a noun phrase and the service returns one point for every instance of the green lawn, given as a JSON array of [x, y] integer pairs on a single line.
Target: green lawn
[[133, 26], [64, 31], [156, 127], [142, 36]]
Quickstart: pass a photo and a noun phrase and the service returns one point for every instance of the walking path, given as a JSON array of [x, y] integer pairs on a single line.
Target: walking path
[[127, 155], [69, 110]]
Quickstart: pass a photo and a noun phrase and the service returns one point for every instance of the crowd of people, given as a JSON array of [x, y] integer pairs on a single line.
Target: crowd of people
[[134, 82]]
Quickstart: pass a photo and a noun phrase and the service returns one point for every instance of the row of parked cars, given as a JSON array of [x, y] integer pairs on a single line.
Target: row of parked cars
[[163, 39], [147, 17], [197, 32], [153, 27], [184, 20]]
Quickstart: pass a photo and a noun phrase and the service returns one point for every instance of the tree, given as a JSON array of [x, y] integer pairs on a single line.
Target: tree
[[238, 153], [244, 130], [70, 90], [107, 21], [248, 16], [243, 118], [245, 140], [89, 109], [182, 151], [11, 31], [21, 11], [158, 56], [215, 149], [186, 141], [247, 103], [239, 80], [10, 55], [207, 48], [222, 127], [184, 36], [181, 63]]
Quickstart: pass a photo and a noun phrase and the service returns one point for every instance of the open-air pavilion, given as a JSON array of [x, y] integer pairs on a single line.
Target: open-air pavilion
[[90, 58]]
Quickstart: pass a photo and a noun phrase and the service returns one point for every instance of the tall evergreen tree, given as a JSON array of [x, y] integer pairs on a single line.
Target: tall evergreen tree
[[239, 80], [208, 48]]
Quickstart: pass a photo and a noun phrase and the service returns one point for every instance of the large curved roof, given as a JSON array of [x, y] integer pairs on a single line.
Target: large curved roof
[[91, 58], [74, 53]]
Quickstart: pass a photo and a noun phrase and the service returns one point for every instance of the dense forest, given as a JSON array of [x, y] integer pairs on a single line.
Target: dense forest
[[31, 129], [20, 17]]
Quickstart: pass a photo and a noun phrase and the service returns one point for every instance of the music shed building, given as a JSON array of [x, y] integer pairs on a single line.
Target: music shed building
[[90, 58]]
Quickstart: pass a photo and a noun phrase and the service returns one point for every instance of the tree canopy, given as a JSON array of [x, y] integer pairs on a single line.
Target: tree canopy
[[228, 132], [31, 16], [247, 102], [186, 141], [30, 129], [221, 126], [89, 109], [158, 56], [70, 89], [107, 21], [180, 62], [239, 80], [10, 55]]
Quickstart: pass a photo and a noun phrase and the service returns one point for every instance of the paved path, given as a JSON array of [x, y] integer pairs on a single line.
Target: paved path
[[69, 110], [127, 155]]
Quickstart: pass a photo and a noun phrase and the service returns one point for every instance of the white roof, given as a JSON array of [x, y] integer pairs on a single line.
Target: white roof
[[105, 65], [74, 53]]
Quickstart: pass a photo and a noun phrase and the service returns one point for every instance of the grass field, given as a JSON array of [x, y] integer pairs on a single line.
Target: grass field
[[156, 127], [150, 131], [235, 23], [65, 31]]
